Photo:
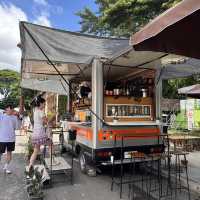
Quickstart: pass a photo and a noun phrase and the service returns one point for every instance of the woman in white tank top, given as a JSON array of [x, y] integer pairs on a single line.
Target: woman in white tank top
[[39, 136]]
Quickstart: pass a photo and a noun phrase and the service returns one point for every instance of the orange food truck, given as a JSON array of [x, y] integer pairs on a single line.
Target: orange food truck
[[113, 90], [123, 106]]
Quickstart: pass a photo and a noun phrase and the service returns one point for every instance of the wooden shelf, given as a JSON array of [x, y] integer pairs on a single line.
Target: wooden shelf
[[147, 101], [81, 106]]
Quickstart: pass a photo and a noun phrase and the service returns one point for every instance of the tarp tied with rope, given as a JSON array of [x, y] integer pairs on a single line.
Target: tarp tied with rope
[[63, 48]]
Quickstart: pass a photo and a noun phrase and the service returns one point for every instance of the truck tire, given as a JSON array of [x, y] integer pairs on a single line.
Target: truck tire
[[83, 162], [61, 146]]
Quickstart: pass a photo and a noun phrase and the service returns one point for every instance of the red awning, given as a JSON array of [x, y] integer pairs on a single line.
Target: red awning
[[176, 31]]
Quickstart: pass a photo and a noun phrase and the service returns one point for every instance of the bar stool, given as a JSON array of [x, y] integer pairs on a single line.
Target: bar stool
[[154, 181], [179, 164], [137, 157]]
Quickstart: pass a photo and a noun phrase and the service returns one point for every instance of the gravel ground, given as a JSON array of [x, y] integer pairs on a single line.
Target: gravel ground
[[85, 188]]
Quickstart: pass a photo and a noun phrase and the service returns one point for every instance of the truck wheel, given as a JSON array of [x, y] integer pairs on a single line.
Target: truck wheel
[[62, 147], [83, 162]]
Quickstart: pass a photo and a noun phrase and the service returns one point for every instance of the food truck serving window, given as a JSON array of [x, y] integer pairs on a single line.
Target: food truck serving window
[[128, 111]]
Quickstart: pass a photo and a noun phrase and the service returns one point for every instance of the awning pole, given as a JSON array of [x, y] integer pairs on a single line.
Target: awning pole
[[160, 75], [59, 72]]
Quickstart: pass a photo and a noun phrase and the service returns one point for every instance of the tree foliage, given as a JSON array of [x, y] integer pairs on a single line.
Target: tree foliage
[[171, 86], [121, 17], [10, 90], [9, 81]]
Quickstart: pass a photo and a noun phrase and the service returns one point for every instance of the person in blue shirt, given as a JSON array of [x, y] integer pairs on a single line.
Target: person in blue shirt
[[9, 122]]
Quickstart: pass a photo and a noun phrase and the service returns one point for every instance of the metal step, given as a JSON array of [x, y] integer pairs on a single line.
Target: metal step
[[58, 164]]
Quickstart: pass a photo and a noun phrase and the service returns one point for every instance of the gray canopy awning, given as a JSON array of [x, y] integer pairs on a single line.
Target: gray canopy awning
[[65, 49], [72, 54], [184, 67], [54, 86]]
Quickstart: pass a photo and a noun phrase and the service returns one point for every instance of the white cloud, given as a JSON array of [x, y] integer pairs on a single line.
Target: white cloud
[[41, 2], [43, 20], [10, 54], [41, 11], [10, 15]]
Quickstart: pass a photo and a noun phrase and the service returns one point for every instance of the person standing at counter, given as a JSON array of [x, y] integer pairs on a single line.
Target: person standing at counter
[[40, 135]]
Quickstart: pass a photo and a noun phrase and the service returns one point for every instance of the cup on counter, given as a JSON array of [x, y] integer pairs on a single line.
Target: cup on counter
[[116, 92], [144, 93], [157, 121], [115, 120]]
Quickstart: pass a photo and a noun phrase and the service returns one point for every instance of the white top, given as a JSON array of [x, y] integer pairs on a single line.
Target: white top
[[8, 125], [38, 127], [26, 121]]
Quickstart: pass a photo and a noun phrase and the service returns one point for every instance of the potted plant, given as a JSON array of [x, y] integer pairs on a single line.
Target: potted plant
[[28, 150], [34, 184]]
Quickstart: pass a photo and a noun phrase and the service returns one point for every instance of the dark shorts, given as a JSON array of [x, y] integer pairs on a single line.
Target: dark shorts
[[7, 146]]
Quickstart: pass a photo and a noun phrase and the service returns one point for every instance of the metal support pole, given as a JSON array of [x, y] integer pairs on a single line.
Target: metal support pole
[[121, 165], [158, 99], [51, 157], [113, 162], [97, 98], [72, 162], [57, 105]]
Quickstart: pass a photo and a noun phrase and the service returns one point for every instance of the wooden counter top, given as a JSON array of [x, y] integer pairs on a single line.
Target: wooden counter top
[[139, 123]]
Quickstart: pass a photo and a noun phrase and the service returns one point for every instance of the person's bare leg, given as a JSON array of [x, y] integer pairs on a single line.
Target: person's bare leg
[[8, 156], [26, 130], [34, 156], [8, 159]]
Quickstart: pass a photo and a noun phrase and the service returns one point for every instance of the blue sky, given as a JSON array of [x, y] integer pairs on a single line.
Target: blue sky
[[61, 12], [55, 13]]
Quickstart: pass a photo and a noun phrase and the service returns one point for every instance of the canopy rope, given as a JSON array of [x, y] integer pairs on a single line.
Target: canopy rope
[[61, 75]]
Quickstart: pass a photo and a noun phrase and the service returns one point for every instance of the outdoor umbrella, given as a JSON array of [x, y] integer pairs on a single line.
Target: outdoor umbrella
[[190, 90], [175, 31]]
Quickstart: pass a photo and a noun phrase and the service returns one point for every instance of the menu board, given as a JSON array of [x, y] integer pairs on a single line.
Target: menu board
[[127, 110]]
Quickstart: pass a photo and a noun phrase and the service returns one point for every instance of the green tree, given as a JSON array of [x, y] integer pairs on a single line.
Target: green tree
[[171, 86], [9, 82], [9, 87], [10, 90], [62, 105], [121, 17]]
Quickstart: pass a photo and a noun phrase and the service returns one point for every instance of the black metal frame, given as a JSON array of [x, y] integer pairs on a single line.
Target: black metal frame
[[51, 157], [150, 158], [178, 185]]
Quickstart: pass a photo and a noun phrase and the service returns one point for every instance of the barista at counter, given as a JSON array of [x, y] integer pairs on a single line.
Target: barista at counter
[[84, 90]]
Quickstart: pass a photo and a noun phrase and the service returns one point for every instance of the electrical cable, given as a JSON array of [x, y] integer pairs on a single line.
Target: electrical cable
[[61, 75]]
